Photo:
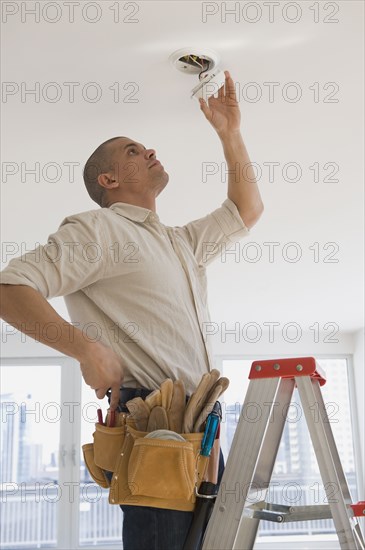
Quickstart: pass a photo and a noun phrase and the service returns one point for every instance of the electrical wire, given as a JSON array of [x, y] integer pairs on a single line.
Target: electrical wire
[[195, 60], [204, 65], [205, 70]]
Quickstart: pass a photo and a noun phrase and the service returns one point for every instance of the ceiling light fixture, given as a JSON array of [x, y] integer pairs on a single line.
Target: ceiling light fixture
[[204, 63]]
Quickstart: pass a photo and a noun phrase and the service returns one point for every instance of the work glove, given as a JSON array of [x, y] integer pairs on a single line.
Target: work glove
[[219, 387], [198, 398], [163, 409], [140, 413], [154, 399], [151, 414], [175, 413], [166, 388], [157, 420]]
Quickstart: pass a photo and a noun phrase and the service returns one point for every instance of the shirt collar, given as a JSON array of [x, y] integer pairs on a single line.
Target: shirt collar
[[134, 213]]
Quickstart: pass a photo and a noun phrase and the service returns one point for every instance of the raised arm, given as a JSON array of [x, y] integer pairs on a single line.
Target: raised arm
[[224, 115]]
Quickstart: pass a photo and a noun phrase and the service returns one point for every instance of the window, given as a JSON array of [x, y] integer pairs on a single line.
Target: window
[[29, 459], [296, 479], [48, 412], [48, 498]]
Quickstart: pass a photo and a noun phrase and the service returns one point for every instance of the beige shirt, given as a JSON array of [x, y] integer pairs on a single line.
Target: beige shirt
[[135, 284]]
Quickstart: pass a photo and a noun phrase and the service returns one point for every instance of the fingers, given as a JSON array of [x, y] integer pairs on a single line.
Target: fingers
[[221, 94], [114, 398], [226, 91], [100, 393], [204, 107], [230, 87], [102, 371]]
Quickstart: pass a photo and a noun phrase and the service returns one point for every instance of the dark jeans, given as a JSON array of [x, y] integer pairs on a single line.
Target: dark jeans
[[147, 528]]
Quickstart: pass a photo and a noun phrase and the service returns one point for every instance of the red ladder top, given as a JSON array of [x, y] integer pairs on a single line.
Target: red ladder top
[[288, 368]]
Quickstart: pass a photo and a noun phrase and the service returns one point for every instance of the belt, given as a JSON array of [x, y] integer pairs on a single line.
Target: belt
[[125, 394]]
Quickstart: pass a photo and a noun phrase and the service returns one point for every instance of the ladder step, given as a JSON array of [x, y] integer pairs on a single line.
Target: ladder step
[[280, 513], [359, 508]]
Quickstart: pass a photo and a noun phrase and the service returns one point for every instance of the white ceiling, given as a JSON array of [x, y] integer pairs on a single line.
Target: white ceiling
[[165, 118]]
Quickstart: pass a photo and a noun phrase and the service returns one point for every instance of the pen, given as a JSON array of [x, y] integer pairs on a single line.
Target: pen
[[111, 419]]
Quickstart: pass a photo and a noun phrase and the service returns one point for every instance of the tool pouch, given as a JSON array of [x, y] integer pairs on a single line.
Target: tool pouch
[[161, 468], [103, 453], [108, 443], [95, 471], [161, 473]]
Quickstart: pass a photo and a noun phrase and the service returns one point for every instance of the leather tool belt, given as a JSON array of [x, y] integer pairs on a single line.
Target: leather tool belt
[[161, 468]]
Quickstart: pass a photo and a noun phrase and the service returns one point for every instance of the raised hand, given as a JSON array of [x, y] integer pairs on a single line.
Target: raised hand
[[223, 111]]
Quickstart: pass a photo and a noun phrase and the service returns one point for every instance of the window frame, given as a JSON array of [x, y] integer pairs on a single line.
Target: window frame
[[70, 391]]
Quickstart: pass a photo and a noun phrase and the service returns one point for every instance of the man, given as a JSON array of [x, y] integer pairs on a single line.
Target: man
[[138, 284]]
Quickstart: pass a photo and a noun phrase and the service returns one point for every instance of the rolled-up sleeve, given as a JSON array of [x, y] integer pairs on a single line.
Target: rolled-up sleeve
[[207, 235], [74, 257]]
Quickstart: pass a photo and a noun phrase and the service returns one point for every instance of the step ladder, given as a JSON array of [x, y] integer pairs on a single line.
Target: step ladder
[[235, 520]]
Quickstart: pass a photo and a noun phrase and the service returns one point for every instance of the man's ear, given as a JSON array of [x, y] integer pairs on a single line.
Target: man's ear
[[107, 181]]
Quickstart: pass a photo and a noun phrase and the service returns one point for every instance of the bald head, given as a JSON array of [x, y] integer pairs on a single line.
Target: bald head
[[123, 170], [100, 161]]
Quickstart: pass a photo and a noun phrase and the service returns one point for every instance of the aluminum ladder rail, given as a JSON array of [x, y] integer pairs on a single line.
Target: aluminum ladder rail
[[234, 521]]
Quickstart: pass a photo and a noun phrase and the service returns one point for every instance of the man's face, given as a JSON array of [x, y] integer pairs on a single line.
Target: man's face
[[136, 168]]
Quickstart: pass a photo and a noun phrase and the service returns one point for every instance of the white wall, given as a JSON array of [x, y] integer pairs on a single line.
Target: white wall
[[280, 342]]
